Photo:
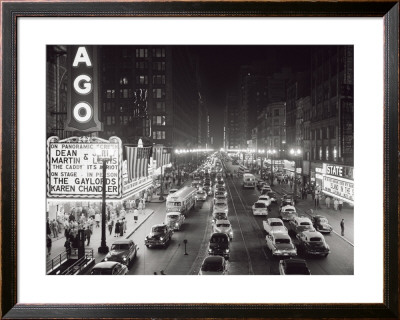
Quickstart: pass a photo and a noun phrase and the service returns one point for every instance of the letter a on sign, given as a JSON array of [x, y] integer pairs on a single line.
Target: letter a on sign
[[83, 93]]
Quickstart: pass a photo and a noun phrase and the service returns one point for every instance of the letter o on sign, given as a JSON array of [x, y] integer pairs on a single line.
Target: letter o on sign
[[82, 112]]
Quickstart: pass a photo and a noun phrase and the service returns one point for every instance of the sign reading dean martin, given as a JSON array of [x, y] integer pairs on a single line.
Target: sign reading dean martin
[[73, 169]]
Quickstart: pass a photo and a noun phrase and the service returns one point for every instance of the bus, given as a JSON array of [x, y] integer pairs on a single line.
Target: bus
[[182, 200], [249, 181]]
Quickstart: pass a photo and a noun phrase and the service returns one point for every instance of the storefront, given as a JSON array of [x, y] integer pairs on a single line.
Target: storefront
[[338, 182], [316, 174]]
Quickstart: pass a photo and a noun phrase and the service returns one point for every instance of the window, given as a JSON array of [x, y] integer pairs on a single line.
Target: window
[[158, 135], [334, 153], [110, 93], [159, 66], [276, 120], [276, 112], [110, 120], [327, 153], [320, 153], [124, 120], [159, 79], [141, 53], [141, 65], [142, 79], [159, 52], [160, 106], [159, 120], [158, 93], [123, 81], [125, 93], [108, 106]]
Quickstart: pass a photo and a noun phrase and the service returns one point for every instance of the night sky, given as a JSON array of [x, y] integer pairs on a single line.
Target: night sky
[[219, 69]]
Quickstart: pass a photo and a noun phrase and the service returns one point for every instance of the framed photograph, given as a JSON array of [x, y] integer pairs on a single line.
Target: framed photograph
[[248, 151]]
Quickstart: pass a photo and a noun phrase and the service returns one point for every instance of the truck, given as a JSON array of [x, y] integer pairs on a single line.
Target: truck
[[249, 181]]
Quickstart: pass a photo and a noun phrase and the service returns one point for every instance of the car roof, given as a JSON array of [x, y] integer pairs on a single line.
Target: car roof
[[158, 225], [222, 221], [295, 262], [122, 241], [302, 219], [172, 213], [313, 233], [281, 236], [219, 234], [259, 202], [106, 265], [214, 259], [289, 207], [274, 220]]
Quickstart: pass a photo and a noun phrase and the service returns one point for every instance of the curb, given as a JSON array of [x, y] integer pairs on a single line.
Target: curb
[[140, 223]]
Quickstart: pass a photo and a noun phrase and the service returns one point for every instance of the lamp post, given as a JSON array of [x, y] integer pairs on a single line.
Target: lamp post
[[295, 153], [262, 160], [104, 157], [272, 152], [164, 151]]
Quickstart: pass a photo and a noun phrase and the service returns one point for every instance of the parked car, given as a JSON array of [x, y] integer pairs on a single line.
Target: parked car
[[312, 243], [288, 213], [293, 267], [219, 245], [224, 226], [281, 244], [259, 208], [174, 220], [321, 224], [214, 265], [109, 268], [122, 251], [274, 225], [299, 224], [160, 235]]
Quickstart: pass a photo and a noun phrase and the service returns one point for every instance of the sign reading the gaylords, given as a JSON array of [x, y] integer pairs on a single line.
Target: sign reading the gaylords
[[75, 167], [83, 97]]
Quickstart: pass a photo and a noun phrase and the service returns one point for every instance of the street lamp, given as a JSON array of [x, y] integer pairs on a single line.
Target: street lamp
[[164, 151], [103, 157], [295, 153], [272, 152]]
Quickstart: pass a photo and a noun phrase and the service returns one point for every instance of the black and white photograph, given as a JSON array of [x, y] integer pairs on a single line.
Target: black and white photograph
[[199, 160]]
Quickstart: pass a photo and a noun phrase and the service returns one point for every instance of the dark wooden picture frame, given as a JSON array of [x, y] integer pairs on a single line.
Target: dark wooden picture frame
[[11, 11]]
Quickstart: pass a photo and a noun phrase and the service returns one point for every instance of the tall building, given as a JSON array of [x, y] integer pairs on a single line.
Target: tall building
[[232, 138]]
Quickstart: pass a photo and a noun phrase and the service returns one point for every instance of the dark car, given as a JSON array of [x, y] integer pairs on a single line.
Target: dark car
[[321, 224], [260, 184], [109, 268], [214, 265], [286, 200], [160, 235], [123, 251], [293, 267], [272, 196], [219, 245], [312, 243]]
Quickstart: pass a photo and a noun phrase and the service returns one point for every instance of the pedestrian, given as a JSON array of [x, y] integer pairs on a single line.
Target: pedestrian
[[116, 230], [135, 214], [328, 202], [340, 205], [121, 228], [48, 244], [88, 233], [316, 202], [342, 226], [67, 246], [335, 204], [125, 223], [97, 219], [144, 203], [66, 228], [54, 227], [48, 228], [110, 224]]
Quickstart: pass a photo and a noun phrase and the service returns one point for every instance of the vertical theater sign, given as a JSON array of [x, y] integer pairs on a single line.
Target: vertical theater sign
[[74, 168]]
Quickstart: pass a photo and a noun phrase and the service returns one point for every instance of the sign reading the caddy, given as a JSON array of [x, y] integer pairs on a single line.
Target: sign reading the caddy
[[83, 100], [74, 170]]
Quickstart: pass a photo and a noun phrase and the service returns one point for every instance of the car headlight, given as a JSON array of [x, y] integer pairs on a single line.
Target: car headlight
[[231, 232], [176, 224], [124, 258], [105, 259], [226, 250], [161, 238], [209, 250]]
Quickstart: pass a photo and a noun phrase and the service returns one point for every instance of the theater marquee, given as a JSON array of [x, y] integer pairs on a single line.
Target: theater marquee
[[337, 181], [73, 169]]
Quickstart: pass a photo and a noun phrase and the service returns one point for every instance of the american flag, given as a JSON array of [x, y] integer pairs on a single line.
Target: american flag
[[137, 160], [161, 159]]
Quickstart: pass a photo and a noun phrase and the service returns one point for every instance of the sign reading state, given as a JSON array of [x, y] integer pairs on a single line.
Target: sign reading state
[[73, 168]]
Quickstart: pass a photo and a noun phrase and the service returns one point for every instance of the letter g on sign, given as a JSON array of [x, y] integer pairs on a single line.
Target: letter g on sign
[[82, 112]]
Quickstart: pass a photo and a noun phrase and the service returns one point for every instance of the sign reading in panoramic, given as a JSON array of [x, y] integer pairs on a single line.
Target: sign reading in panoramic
[[74, 168], [82, 105]]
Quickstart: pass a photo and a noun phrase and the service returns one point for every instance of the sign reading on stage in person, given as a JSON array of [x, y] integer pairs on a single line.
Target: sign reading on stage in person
[[74, 169]]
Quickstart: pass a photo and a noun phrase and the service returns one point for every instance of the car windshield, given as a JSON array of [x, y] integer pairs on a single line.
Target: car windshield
[[304, 223], [263, 198], [220, 216], [172, 191], [200, 192], [172, 217], [120, 246], [323, 220], [259, 205], [220, 205], [157, 229], [315, 239], [215, 266], [218, 239], [282, 240], [223, 225], [289, 210], [174, 204], [276, 224], [297, 270], [101, 271]]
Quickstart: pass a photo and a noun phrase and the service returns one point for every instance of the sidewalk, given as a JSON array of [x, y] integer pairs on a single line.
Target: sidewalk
[[334, 217], [95, 239]]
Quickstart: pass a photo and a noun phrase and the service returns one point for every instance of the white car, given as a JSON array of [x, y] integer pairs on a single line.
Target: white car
[[201, 195], [288, 213], [260, 208], [274, 225], [220, 206], [266, 199], [300, 224], [281, 244], [223, 226], [220, 198]]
